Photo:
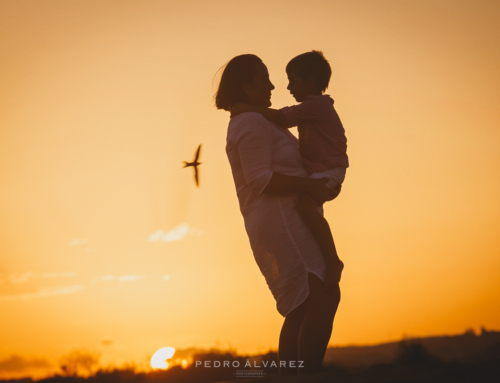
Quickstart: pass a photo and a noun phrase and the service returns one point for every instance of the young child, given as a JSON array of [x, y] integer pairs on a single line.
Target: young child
[[322, 143]]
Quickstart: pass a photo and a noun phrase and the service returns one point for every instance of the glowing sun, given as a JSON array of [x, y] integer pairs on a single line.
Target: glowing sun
[[159, 358]]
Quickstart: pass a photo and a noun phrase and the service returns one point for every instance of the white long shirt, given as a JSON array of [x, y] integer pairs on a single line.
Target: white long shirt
[[283, 246]]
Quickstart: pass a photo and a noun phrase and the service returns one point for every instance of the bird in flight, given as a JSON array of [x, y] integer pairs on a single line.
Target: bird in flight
[[195, 164]]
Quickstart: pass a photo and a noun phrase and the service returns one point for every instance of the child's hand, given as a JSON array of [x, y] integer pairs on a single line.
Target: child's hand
[[321, 192], [334, 192], [238, 108]]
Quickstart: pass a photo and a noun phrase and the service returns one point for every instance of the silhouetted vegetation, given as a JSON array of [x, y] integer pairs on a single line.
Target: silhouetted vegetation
[[418, 360], [79, 363], [414, 353]]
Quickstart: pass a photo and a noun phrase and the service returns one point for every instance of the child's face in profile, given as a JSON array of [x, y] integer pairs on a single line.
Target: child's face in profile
[[298, 87]]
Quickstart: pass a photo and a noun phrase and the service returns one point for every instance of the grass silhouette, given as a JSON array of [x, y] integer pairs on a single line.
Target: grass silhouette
[[412, 360]]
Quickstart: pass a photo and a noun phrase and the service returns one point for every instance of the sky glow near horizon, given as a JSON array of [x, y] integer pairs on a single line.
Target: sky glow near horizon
[[103, 235]]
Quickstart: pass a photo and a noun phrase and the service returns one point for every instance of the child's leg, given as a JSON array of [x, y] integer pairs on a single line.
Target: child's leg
[[307, 207]]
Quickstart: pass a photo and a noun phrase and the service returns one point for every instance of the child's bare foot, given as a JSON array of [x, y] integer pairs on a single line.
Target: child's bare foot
[[333, 275]]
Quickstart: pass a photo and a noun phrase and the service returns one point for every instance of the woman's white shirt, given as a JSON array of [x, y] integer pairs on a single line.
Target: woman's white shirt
[[282, 244]]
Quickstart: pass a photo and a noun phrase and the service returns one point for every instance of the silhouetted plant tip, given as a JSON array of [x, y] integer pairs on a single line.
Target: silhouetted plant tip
[[414, 353], [79, 363]]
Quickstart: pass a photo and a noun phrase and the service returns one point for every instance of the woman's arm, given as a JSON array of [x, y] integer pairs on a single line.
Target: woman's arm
[[280, 184]]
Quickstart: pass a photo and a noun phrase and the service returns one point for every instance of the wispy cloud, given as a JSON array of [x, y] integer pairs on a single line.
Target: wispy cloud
[[130, 278], [78, 242], [166, 277], [107, 341], [16, 363], [176, 234], [44, 292], [123, 278], [25, 277], [20, 278], [108, 278]]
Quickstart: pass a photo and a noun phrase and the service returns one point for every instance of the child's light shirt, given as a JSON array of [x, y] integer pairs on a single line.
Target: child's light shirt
[[322, 140]]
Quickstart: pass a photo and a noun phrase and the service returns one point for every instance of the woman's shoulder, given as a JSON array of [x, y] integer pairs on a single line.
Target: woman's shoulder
[[248, 119], [246, 122]]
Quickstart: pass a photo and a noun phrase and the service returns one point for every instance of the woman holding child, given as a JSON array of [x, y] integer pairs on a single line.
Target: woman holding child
[[281, 201]]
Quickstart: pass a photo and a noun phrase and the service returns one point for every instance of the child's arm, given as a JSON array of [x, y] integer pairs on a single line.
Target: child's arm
[[273, 115]]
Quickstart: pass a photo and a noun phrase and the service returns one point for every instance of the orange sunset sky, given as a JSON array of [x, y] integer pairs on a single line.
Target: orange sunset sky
[[106, 245]]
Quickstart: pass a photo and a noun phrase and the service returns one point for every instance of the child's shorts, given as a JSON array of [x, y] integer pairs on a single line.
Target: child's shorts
[[336, 176]]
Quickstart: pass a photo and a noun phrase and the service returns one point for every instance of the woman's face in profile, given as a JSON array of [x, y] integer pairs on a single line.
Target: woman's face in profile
[[259, 91]]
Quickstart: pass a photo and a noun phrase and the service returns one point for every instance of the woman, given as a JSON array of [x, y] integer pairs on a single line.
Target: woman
[[269, 175]]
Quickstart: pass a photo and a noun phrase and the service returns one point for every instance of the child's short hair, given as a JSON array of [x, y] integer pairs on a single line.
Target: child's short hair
[[312, 65]]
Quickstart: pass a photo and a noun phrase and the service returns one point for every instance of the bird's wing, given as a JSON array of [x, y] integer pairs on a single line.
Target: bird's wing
[[197, 155], [196, 176]]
